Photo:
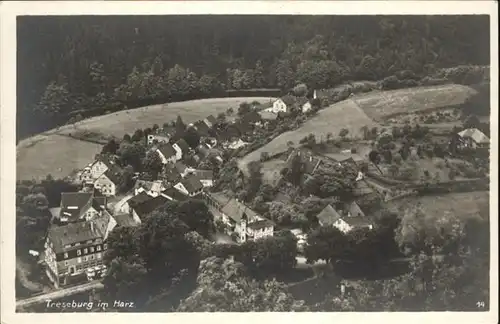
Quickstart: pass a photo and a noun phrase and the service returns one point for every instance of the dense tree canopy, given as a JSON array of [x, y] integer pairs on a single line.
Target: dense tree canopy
[[158, 59]]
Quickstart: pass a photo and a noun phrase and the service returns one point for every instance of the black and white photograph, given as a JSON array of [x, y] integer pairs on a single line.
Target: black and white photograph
[[305, 161]]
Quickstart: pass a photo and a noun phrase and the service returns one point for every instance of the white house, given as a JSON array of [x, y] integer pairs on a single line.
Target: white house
[[190, 186], [354, 218], [97, 168], [306, 107], [151, 188], [473, 138], [167, 153], [162, 135], [278, 106], [106, 185], [206, 177]]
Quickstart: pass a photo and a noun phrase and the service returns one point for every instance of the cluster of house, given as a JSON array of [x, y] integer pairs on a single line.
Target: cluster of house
[[472, 138], [285, 104]]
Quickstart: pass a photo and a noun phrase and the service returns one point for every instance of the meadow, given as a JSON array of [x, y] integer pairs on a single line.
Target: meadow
[[55, 153]]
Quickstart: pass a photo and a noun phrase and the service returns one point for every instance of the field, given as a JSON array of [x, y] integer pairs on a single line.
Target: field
[[127, 121], [384, 104], [461, 205], [59, 155], [332, 119], [54, 154]]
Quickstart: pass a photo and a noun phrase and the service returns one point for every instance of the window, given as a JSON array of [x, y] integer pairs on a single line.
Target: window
[[85, 259], [98, 248], [99, 255], [66, 263], [105, 246], [65, 255], [77, 244], [78, 252], [91, 249], [85, 251], [79, 260], [92, 257]]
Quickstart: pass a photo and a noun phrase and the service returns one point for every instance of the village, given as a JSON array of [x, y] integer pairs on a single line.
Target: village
[[345, 177]]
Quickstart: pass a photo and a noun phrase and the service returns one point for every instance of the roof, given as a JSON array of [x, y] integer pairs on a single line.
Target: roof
[[167, 132], [180, 167], [183, 145], [74, 204], [212, 120], [167, 150], [267, 115], [139, 199], [361, 188], [476, 135], [354, 209], [125, 220], [60, 236], [220, 197], [357, 221], [251, 117], [204, 174], [201, 127], [237, 211], [289, 99], [155, 186], [114, 173], [192, 184], [328, 216], [99, 203], [170, 174], [174, 194], [107, 159], [202, 150], [149, 206], [261, 223]]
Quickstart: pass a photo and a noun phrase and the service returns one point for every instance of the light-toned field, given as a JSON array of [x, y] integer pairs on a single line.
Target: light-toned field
[[127, 121], [344, 114], [383, 104], [54, 154], [58, 155], [460, 205]]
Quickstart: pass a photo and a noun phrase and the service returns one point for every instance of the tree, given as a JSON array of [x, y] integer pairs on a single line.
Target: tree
[[276, 254], [124, 278], [138, 135], [471, 122], [343, 133], [260, 80], [296, 170], [127, 138], [300, 90], [223, 285], [325, 243], [192, 137], [111, 147], [264, 156], [122, 243], [55, 100], [180, 127], [254, 180], [244, 109], [152, 164], [132, 154], [195, 214]]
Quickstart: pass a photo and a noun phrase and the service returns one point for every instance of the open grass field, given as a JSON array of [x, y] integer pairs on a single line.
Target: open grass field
[[127, 121], [54, 154], [384, 104], [344, 114], [460, 205], [58, 155]]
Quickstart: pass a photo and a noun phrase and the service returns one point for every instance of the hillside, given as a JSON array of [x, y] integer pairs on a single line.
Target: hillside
[[54, 153], [364, 110]]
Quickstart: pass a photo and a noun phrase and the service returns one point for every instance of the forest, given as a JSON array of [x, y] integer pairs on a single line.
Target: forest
[[71, 68]]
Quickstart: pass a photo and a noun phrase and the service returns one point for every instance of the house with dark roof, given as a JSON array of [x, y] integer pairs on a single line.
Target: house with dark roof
[[125, 220], [76, 248], [211, 121], [173, 194], [139, 211], [108, 182], [167, 153], [251, 118], [170, 175], [80, 206], [181, 147], [240, 219], [303, 104], [202, 128], [182, 169], [190, 186], [353, 218]]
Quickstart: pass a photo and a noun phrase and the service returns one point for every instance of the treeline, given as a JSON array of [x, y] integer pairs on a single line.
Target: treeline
[[118, 62]]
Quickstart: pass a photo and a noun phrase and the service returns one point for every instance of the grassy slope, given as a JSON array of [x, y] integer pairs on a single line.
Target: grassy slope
[[379, 105], [58, 155], [332, 119]]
